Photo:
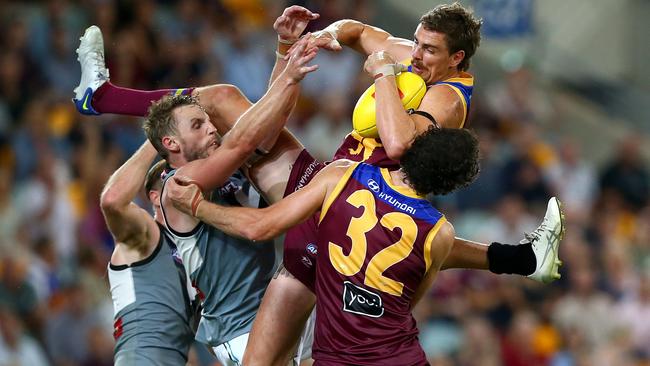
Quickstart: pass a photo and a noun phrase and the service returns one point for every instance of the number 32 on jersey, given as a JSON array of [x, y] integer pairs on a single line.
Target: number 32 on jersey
[[350, 265]]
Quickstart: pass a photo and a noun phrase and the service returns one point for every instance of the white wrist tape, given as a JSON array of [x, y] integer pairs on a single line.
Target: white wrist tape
[[389, 70], [287, 42]]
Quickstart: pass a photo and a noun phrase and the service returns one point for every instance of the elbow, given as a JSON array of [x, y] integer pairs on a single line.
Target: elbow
[[395, 149], [258, 233], [260, 229], [246, 147], [110, 200]]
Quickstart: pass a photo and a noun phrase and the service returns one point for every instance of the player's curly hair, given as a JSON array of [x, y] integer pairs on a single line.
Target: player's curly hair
[[461, 27], [441, 160], [160, 121]]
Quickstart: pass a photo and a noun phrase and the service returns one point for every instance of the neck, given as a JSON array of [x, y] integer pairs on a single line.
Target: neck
[[398, 178], [176, 161], [451, 73], [158, 216]]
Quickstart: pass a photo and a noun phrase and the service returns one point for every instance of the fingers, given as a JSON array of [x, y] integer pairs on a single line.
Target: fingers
[[299, 11], [307, 56], [307, 69], [321, 42], [182, 180], [303, 54], [299, 47], [326, 42]]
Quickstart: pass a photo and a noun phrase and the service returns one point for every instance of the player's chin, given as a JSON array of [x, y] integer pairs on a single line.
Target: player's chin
[[423, 73], [211, 148]]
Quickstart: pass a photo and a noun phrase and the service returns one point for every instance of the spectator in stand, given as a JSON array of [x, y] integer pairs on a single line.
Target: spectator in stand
[[627, 174]]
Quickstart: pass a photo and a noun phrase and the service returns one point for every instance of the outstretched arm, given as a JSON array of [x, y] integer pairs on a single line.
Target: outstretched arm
[[258, 224], [129, 224], [363, 38], [264, 118]]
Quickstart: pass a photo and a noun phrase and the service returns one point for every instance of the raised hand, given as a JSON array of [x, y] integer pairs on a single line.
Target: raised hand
[[326, 39], [184, 194], [301, 53], [293, 22], [381, 63]]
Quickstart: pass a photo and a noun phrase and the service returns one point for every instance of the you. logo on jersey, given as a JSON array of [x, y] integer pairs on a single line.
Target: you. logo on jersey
[[358, 300]]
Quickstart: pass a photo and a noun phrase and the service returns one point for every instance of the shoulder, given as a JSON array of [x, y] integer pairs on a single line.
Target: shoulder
[[443, 92], [447, 232], [445, 105], [336, 170], [341, 164], [444, 238], [339, 167]]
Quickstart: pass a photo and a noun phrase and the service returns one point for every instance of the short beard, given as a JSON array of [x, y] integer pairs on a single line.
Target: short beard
[[193, 154]]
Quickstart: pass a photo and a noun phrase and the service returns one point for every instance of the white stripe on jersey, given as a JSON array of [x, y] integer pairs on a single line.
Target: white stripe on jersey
[[188, 249], [122, 288]]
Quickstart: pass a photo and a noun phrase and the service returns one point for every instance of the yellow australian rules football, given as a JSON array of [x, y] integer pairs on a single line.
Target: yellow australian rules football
[[411, 88]]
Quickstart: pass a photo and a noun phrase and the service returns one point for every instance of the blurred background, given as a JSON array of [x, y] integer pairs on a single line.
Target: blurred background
[[560, 104]]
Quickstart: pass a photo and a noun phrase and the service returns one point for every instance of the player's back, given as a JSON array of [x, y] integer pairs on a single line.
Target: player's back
[[152, 310], [374, 250]]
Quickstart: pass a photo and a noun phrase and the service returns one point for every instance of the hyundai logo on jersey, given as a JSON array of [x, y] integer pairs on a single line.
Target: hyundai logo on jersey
[[374, 186]]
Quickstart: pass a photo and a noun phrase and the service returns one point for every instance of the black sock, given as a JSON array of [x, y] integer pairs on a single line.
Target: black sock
[[512, 259]]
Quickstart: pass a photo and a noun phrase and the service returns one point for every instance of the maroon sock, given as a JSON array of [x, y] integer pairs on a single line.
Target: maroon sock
[[109, 98]]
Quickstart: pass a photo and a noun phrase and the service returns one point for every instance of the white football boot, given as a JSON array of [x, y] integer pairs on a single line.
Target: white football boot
[[94, 73], [545, 241]]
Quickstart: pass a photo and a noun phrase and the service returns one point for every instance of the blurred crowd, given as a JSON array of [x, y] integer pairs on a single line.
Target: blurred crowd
[[55, 306]]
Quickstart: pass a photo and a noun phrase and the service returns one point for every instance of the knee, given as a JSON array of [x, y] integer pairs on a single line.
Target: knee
[[219, 94]]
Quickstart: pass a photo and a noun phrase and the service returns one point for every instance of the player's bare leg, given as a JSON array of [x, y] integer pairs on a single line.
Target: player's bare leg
[[271, 173], [279, 322], [224, 104]]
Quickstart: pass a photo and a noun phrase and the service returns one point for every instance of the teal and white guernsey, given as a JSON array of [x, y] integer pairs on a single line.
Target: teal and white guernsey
[[152, 309], [230, 274]]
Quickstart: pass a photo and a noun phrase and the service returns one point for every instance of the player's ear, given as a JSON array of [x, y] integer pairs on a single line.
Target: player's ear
[[171, 143], [154, 197], [456, 58]]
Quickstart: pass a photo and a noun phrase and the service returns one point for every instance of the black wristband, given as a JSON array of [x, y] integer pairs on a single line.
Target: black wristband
[[511, 259]]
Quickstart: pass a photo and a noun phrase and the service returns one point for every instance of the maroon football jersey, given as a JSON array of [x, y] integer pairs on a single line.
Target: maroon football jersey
[[365, 149], [374, 242]]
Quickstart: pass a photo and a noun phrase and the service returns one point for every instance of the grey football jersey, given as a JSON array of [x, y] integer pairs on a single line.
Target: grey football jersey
[[152, 308], [230, 274]]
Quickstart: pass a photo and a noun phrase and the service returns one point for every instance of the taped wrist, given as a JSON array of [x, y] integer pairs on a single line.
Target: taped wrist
[[511, 259], [388, 70], [287, 41]]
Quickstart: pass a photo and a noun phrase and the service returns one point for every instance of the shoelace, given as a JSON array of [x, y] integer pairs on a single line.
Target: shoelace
[[98, 59], [534, 236]]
